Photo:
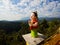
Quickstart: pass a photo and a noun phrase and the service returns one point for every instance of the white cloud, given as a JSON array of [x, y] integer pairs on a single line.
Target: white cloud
[[8, 11], [34, 3], [50, 10]]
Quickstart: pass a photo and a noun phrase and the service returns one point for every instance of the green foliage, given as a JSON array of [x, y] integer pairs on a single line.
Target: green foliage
[[15, 38]]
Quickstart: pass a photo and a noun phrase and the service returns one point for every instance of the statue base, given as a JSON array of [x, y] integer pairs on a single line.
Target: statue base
[[33, 41]]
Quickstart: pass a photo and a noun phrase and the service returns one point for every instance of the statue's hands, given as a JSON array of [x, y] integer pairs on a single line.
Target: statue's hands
[[35, 24], [30, 23]]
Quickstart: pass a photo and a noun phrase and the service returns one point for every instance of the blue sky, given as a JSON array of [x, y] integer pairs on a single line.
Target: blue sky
[[19, 9]]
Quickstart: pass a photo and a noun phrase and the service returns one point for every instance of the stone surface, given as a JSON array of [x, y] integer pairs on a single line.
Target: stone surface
[[33, 41]]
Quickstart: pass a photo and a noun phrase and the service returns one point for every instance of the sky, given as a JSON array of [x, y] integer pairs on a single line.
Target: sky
[[20, 9]]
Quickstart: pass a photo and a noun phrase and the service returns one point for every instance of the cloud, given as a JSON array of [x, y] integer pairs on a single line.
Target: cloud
[[15, 1], [18, 9], [44, 7], [50, 10], [8, 13]]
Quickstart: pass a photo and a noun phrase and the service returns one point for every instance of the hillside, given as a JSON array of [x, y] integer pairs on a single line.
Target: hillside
[[54, 39], [11, 32]]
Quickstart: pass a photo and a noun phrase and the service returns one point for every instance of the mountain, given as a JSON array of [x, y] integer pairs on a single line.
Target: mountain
[[10, 25], [16, 25], [50, 18], [41, 18]]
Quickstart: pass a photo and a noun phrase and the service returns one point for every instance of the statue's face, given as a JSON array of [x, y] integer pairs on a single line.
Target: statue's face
[[33, 16]]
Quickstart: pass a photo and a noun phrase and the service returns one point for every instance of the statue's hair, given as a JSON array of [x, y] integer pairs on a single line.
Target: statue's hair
[[35, 13]]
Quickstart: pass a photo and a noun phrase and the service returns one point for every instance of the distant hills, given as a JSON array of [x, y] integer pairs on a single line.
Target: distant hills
[[9, 26], [50, 18], [15, 25], [41, 18]]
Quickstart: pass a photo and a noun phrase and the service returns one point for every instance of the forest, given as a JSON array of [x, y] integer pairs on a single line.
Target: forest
[[11, 32]]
